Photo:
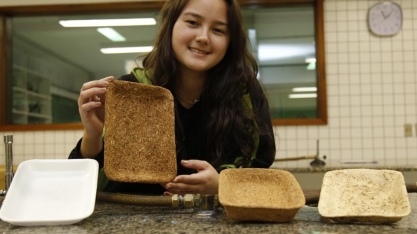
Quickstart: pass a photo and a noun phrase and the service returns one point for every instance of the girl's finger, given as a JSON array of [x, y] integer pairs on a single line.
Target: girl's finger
[[166, 193], [97, 83], [195, 164], [189, 179], [89, 105], [184, 188], [90, 94]]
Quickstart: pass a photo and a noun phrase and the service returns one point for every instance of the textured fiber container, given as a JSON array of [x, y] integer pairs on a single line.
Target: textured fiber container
[[139, 133], [254, 194], [364, 196]]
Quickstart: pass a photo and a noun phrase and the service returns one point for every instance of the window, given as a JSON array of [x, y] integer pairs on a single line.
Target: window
[[49, 62]]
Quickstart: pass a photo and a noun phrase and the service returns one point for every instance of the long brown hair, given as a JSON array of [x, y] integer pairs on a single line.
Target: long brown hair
[[227, 121]]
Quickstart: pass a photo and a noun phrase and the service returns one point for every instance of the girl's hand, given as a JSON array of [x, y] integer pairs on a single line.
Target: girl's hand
[[205, 181], [91, 105]]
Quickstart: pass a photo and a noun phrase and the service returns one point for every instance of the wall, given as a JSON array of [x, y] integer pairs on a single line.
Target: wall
[[371, 83]]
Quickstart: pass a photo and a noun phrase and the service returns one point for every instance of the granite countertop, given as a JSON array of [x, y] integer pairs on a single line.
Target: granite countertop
[[118, 218]]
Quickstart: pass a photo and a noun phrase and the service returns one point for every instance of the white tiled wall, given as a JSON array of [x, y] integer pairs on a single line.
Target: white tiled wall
[[41, 145], [372, 93], [371, 85]]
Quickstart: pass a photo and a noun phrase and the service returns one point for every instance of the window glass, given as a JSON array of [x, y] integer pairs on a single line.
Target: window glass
[[283, 41], [51, 62]]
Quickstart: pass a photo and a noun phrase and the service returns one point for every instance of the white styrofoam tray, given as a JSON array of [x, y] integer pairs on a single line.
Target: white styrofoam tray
[[51, 192]]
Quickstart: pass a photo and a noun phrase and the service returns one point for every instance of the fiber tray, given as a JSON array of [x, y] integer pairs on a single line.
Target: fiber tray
[[254, 194], [364, 196], [139, 133]]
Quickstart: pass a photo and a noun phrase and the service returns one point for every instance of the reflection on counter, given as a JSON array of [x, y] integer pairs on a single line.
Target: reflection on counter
[[2, 175], [311, 177]]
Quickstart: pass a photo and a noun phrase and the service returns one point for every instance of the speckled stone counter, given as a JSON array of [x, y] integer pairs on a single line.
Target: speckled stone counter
[[116, 218]]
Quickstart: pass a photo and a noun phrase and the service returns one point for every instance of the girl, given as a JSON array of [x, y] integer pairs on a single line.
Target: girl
[[222, 117]]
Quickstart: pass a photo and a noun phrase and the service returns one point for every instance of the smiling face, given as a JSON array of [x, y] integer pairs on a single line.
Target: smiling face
[[200, 36]]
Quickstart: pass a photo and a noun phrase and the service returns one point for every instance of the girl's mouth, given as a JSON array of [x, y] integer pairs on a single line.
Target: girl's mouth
[[194, 50]]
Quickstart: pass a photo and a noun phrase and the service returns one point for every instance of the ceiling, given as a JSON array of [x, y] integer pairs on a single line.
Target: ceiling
[[289, 32]]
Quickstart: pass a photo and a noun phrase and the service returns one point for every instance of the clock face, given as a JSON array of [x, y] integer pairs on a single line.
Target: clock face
[[385, 18]]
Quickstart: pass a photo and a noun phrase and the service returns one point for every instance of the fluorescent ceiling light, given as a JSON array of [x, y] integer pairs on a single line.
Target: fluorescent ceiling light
[[111, 34], [310, 60], [311, 66], [123, 50], [107, 22], [304, 89], [252, 39], [303, 95], [268, 52], [252, 34]]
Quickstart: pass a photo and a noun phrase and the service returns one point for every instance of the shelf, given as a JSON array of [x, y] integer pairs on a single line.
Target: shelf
[[41, 116], [34, 72], [30, 71], [31, 93], [31, 96]]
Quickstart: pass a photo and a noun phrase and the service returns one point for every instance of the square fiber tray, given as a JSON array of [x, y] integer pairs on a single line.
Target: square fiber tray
[[255, 194], [363, 196], [139, 133]]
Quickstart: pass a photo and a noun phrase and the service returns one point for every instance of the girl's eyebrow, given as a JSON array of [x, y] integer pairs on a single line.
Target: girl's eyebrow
[[200, 17]]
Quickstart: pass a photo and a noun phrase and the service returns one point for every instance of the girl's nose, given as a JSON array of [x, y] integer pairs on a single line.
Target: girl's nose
[[202, 37]]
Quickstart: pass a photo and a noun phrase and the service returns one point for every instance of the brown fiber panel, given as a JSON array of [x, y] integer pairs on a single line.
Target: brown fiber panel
[[139, 133]]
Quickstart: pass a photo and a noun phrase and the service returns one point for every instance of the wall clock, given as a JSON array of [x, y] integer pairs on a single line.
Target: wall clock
[[385, 18]]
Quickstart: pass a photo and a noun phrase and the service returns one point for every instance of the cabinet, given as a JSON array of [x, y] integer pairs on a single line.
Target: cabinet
[[31, 97], [44, 87]]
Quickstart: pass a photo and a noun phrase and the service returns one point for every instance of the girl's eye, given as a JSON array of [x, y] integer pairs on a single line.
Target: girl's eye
[[191, 22], [218, 30]]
